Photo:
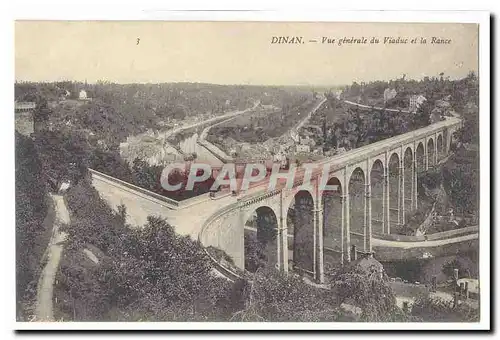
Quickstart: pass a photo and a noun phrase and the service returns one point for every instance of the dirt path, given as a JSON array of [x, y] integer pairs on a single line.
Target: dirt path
[[172, 132], [44, 305]]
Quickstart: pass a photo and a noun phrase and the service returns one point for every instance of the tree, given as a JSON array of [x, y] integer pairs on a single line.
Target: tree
[[469, 133], [274, 296], [435, 309], [122, 213], [63, 154], [31, 209], [365, 285], [172, 272], [461, 178], [152, 273], [178, 113], [421, 118], [110, 162], [255, 255], [450, 266], [41, 114]]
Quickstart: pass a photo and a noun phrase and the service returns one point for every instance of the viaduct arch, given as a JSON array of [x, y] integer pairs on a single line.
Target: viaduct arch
[[376, 188]]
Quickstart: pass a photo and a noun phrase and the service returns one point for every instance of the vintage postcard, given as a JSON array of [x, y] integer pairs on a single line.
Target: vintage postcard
[[310, 172]]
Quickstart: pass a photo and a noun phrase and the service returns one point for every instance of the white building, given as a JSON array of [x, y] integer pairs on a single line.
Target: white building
[[295, 135], [303, 148], [82, 95], [415, 102], [389, 94]]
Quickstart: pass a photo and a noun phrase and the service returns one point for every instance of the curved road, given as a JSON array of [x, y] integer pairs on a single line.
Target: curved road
[[213, 119], [300, 124], [374, 107], [198, 144]]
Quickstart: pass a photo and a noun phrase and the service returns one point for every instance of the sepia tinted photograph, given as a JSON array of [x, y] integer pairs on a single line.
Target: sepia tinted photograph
[[248, 171]]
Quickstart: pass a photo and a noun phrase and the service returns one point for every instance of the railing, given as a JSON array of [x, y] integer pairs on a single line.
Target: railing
[[389, 143], [215, 150], [173, 204], [376, 147], [150, 195], [117, 182], [370, 150], [230, 274]]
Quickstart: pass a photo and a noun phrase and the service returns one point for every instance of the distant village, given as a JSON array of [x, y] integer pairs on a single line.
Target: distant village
[[298, 143], [24, 121]]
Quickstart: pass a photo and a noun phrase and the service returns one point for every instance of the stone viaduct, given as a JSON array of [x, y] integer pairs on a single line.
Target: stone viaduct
[[391, 165], [375, 190]]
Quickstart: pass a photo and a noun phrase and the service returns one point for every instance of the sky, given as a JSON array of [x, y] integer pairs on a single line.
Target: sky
[[237, 52]]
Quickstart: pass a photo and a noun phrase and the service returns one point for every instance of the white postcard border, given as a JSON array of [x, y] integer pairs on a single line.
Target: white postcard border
[[110, 13]]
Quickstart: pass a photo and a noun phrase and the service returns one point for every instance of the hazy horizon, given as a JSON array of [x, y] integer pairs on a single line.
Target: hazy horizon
[[235, 53], [235, 84]]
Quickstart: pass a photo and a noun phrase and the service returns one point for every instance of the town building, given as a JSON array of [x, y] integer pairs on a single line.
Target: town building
[[389, 94], [415, 102], [23, 120], [82, 95], [303, 148], [24, 106]]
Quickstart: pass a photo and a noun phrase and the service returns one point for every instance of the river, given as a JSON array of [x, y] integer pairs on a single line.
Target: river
[[190, 145]]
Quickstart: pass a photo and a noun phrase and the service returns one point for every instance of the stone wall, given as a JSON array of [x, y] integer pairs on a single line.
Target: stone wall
[[225, 231], [139, 205], [24, 123]]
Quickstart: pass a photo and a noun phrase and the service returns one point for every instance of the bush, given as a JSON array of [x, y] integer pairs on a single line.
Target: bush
[[273, 296], [457, 263], [438, 310], [365, 285], [461, 181], [92, 220], [63, 154], [255, 253], [219, 254], [150, 273]]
